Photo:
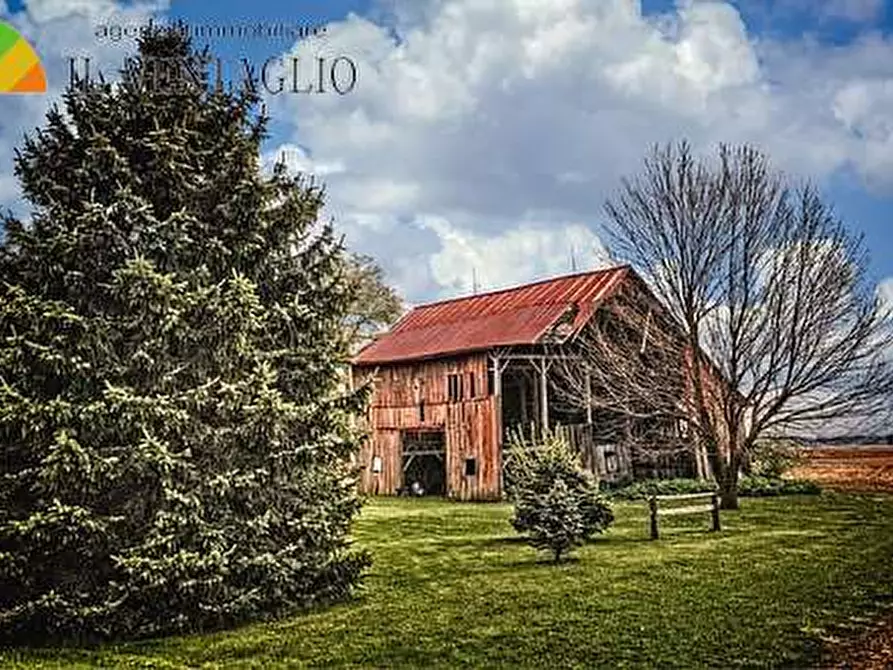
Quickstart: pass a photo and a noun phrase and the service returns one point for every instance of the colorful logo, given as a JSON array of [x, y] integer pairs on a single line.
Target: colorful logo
[[20, 68]]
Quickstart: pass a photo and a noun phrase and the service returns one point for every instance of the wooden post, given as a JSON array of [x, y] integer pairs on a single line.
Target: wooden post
[[497, 408], [588, 383], [715, 512], [652, 505], [523, 394], [544, 395]]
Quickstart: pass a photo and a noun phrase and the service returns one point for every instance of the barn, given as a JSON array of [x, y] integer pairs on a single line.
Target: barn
[[452, 378]]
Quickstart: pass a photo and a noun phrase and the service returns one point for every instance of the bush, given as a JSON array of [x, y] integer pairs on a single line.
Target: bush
[[755, 486], [557, 503], [772, 458], [748, 486]]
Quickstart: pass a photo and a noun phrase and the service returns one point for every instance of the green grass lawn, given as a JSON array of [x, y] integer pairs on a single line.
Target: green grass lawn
[[452, 587]]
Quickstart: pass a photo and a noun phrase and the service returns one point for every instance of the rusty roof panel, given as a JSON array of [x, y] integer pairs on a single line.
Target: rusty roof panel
[[515, 316]]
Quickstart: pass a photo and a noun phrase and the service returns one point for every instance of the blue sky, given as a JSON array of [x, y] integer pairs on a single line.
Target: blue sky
[[484, 135]]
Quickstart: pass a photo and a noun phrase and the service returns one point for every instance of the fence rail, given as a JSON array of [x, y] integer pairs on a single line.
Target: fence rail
[[656, 512]]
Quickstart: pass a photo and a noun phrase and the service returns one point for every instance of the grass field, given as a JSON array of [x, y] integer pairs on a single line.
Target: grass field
[[452, 587]]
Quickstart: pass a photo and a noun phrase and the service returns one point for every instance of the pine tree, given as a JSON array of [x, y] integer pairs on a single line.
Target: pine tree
[[557, 503], [175, 441]]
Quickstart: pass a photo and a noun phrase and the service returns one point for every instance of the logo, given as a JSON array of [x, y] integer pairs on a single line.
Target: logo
[[20, 68]]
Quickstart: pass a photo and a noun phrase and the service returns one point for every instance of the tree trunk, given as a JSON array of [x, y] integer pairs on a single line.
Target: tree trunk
[[728, 495], [728, 482]]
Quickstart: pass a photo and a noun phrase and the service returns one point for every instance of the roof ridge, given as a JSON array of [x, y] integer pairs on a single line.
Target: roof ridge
[[611, 268]]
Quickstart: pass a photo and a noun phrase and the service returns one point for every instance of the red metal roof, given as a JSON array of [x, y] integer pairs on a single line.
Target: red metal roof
[[514, 316]]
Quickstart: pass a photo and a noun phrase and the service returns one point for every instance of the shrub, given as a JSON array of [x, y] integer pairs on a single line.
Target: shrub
[[755, 486], [772, 458], [748, 486], [557, 502]]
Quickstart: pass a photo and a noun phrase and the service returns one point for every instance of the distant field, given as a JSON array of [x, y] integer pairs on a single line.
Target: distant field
[[850, 467]]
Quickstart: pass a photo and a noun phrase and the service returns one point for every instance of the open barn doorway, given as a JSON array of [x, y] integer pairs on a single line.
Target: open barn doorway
[[424, 462]]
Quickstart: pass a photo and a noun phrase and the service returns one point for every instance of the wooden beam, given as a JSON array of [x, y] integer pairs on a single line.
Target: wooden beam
[[523, 398], [652, 508], [498, 367], [544, 395], [538, 357], [423, 452], [693, 509], [588, 383]]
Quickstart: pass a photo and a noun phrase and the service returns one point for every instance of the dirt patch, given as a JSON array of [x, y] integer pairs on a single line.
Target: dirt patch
[[871, 650], [849, 468]]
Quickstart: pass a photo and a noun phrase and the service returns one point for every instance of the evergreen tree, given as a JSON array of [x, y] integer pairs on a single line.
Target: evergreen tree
[[557, 503], [175, 441]]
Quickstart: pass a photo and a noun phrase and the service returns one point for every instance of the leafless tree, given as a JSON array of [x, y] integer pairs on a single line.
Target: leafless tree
[[374, 304], [760, 318]]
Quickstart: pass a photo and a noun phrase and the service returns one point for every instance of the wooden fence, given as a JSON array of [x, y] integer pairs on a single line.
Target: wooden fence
[[656, 511]]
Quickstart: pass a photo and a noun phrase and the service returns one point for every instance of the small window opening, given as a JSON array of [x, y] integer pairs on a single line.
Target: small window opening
[[471, 467], [454, 387]]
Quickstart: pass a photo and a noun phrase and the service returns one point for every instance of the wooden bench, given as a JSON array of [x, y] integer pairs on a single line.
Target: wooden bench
[[656, 511]]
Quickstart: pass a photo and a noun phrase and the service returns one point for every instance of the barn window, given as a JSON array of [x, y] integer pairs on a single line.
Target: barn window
[[471, 385], [491, 381], [454, 387], [471, 467], [421, 410]]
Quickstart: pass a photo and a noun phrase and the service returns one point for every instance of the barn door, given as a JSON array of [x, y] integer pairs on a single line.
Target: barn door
[[424, 460]]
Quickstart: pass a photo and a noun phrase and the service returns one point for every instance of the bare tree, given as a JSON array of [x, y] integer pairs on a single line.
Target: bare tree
[[374, 304], [760, 317]]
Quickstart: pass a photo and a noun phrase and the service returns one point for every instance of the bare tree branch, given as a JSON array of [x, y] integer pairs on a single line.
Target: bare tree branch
[[759, 317]]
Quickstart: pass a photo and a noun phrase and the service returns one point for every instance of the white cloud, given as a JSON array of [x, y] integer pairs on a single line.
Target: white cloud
[[41, 11], [885, 291], [490, 114], [497, 116], [864, 107], [533, 249], [298, 161]]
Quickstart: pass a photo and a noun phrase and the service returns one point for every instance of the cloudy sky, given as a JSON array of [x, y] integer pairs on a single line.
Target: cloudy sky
[[482, 136]]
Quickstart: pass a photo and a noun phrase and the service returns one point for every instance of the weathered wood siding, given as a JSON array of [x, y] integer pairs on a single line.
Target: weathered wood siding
[[469, 425]]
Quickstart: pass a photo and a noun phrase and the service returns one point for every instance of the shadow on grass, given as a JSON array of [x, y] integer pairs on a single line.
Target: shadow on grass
[[538, 561], [496, 542], [608, 539]]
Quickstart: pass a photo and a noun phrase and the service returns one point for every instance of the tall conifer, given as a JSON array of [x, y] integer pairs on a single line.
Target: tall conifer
[[174, 430]]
